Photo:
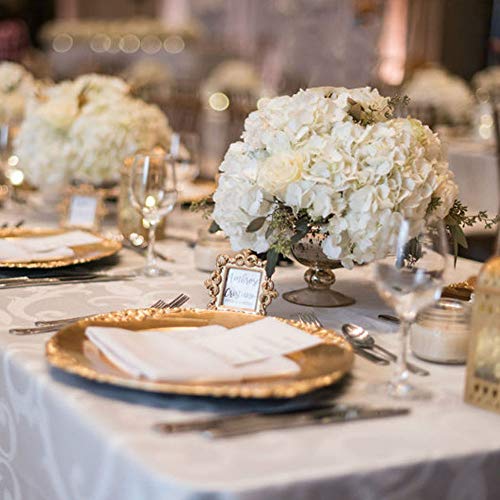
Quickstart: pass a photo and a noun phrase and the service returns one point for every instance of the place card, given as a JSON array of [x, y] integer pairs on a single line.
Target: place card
[[82, 207], [240, 283]]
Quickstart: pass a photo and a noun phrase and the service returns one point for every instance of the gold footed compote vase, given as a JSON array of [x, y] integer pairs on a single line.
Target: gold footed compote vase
[[319, 275]]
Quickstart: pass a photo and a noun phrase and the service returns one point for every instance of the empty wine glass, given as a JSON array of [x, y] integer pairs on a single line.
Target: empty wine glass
[[153, 193], [409, 280]]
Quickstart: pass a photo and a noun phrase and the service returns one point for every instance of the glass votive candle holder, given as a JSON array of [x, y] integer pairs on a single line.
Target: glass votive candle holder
[[441, 332], [208, 247]]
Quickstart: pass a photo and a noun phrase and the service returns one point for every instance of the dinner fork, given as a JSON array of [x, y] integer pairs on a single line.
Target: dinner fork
[[19, 223], [50, 326], [312, 320]]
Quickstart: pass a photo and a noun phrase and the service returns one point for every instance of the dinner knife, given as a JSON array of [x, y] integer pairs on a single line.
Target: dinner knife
[[95, 278], [286, 408], [318, 417]]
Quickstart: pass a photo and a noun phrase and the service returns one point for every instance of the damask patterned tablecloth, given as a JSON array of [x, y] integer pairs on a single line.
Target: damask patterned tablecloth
[[62, 438]]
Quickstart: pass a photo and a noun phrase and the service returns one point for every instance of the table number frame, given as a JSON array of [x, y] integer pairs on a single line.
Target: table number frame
[[82, 191], [241, 262]]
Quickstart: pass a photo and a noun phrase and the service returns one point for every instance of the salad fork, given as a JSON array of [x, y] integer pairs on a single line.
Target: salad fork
[[50, 326]]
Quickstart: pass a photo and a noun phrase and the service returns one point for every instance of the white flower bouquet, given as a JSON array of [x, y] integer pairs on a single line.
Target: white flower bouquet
[[450, 96], [16, 87], [488, 80], [335, 161], [85, 129]]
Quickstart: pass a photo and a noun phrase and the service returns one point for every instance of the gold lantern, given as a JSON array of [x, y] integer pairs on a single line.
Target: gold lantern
[[483, 364]]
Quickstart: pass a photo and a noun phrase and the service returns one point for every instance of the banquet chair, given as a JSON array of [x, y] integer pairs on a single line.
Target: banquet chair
[[183, 109], [240, 106], [426, 113]]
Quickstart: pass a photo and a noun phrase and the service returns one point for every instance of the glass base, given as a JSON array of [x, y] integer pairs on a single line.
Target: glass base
[[318, 298], [402, 391], [151, 272]]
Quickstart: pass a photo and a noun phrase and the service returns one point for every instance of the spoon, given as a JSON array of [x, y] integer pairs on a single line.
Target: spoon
[[362, 338]]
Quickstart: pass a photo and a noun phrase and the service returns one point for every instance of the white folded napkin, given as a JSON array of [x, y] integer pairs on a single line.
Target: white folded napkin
[[11, 252], [43, 248], [45, 243], [206, 353]]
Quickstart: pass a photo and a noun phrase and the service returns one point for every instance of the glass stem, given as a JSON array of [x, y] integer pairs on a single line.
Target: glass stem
[[151, 260], [401, 371]]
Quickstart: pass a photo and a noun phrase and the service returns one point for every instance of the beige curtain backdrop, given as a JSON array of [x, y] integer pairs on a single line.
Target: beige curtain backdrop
[[425, 32]]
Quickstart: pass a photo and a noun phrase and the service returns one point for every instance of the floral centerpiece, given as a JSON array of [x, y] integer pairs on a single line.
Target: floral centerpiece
[[149, 78], [450, 96], [85, 129], [335, 161], [235, 76], [16, 86], [488, 80]]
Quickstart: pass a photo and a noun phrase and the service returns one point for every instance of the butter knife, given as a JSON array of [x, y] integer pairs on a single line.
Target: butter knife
[[318, 417]]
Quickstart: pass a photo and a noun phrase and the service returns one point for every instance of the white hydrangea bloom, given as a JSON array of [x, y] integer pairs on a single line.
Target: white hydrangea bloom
[[86, 128], [450, 96], [488, 79], [308, 152], [16, 86]]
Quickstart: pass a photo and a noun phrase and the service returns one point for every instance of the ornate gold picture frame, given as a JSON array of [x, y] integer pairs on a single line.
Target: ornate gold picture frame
[[83, 208], [239, 283]]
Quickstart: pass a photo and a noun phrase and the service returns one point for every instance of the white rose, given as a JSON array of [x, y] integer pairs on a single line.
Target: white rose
[[279, 171], [447, 192]]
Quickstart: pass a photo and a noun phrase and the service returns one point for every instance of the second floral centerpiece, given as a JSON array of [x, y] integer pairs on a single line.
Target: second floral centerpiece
[[328, 175]]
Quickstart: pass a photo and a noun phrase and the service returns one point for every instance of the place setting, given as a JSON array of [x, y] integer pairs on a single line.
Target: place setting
[[238, 259]]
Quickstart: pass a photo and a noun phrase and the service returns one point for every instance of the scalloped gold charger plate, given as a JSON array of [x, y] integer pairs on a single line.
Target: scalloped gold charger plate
[[320, 365], [82, 253]]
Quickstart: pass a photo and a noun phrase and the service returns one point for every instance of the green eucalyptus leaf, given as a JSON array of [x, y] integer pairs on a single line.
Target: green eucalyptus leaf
[[272, 261], [214, 227], [256, 224]]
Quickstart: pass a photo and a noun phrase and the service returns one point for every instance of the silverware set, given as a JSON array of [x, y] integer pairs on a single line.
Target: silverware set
[[19, 223], [292, 415], [28, 281], [54, 325], [364, 344]]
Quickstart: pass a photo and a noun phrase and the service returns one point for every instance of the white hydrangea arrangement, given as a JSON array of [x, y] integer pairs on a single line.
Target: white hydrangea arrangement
[[149, 78], [450, 96], [488, 80], [85, 129], [236, 76], [16, 86], [332, 160]]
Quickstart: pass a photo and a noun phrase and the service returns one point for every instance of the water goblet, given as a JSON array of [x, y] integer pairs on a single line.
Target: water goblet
[[153, 193], [409, 279]]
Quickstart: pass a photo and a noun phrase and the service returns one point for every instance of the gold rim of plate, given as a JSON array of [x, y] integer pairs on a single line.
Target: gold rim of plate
[[83, 253], [320, 366], [204, 188]]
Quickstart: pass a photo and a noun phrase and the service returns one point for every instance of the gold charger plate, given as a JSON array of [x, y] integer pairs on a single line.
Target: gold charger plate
[[83, 253], [462, 290], [320, 365], [197, 191]]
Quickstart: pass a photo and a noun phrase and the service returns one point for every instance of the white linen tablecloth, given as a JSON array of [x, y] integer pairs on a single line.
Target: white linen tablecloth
[[476, 173], [63, 438]]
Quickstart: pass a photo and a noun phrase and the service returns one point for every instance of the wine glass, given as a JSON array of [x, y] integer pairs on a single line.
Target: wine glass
[[410, 279], [153, 193]]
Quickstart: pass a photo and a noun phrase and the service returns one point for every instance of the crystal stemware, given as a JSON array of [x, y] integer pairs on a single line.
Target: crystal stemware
[[153, 193], [410, 279]]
